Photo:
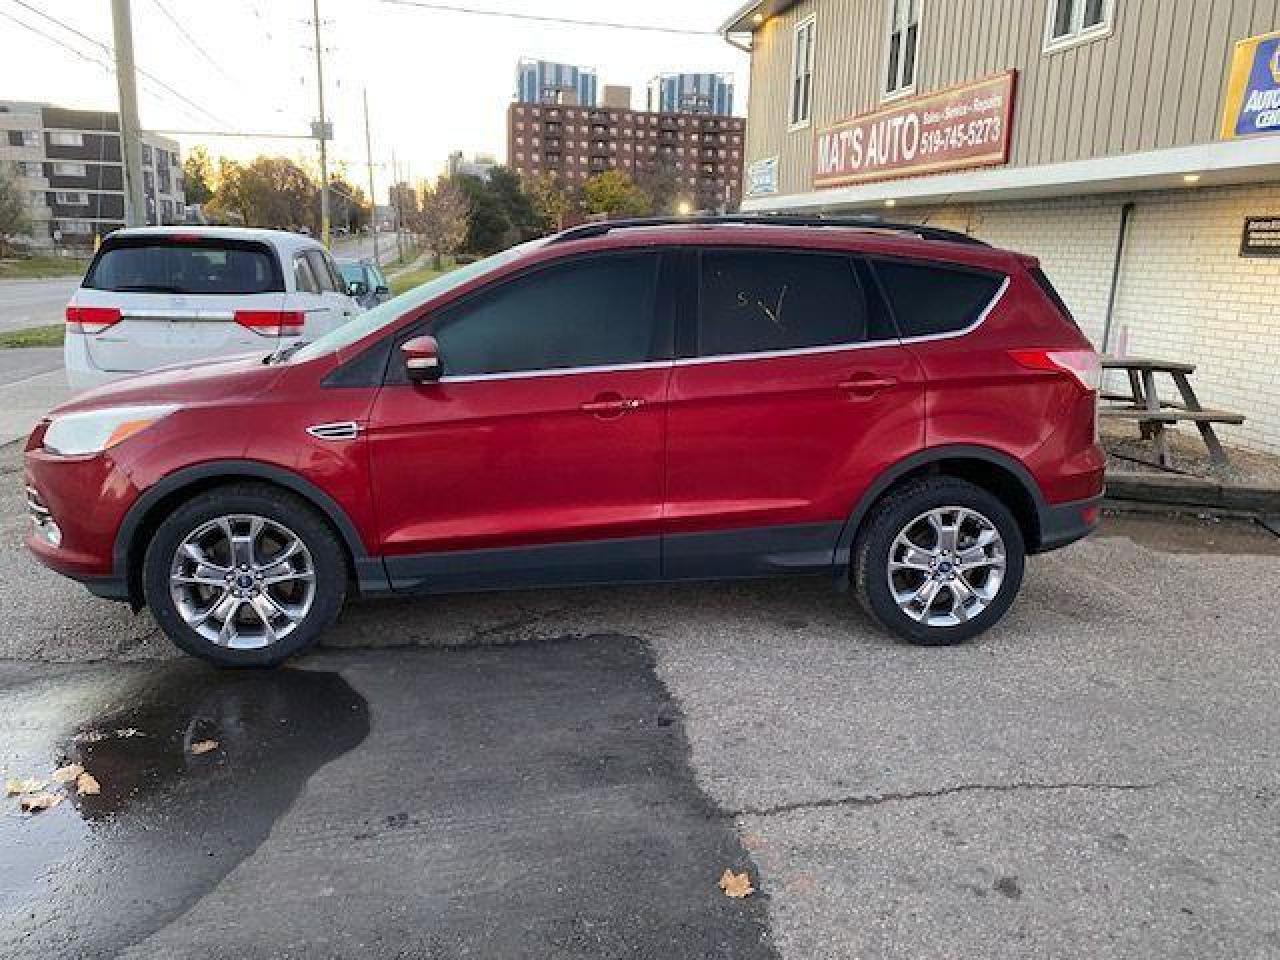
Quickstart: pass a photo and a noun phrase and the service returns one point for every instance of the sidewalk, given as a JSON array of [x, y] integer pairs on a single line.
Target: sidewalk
[[28, 393]]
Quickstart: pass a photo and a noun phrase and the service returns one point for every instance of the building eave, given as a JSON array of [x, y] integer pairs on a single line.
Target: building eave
[[742, 20], [1223, 163]]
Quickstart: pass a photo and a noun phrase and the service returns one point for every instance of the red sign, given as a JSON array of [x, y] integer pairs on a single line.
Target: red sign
[[965, 126]]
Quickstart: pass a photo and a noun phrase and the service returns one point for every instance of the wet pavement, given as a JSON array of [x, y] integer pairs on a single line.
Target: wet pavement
[[534, 801]]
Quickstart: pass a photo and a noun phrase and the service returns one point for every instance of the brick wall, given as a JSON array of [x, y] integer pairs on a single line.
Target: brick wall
[[1185, 292]]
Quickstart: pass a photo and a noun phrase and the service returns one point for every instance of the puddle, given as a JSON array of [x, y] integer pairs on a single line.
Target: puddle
[[1178, 533], [105, 871]]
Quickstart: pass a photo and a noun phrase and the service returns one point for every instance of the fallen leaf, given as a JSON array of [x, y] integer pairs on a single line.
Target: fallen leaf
[[68, 773], [87, 785], [736, 885], [203, 746], [40, 801], [15, 786]]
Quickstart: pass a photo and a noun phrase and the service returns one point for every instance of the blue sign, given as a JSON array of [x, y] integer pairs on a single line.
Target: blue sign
[[762, 178], [1253, 94]]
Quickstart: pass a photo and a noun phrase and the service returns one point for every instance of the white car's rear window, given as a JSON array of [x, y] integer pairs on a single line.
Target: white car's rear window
[[196, 266]]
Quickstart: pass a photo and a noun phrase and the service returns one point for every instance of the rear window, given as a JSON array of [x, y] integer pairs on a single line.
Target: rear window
[[1050, 291], [189, 267], [928, 299]]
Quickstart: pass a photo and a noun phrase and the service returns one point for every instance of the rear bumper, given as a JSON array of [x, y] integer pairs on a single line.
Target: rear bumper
[[1065, 523]]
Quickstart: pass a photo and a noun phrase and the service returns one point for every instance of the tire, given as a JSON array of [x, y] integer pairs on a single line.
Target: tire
[[966, 600], [296, 582]]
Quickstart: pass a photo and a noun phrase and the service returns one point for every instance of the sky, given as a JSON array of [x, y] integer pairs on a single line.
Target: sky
[[437, 81]]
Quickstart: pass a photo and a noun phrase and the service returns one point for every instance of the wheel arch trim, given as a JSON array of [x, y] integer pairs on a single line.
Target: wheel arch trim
[[368, 569], [916, 461]]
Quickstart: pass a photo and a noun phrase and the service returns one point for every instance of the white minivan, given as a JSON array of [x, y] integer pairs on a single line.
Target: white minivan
[[155, 296]]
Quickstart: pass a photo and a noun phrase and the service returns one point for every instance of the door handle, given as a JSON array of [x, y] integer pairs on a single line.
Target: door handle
[[866, 384], [612, 403]]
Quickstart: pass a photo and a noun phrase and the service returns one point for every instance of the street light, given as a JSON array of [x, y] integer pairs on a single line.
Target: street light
[[685, 208]]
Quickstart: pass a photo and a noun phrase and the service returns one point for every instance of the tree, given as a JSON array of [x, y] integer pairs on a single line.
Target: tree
[[663, 187], [348, 205], [445, 219], [198, 177], [13, 209], [268, 192], [506, 187], [490, 229], [613, 194], [550, 201]]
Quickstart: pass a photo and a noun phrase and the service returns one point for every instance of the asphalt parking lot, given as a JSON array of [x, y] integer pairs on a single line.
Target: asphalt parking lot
[[567, 773]]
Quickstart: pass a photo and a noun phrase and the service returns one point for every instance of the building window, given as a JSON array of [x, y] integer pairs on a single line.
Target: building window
[[24, 138], [79, 227], [69, 170], [1076, 21], [65, 138], [72, 198], [30, 169], [904, 38], [802, 74]]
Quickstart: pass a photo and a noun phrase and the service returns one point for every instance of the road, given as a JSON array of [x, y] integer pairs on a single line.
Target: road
[[33, 303], [567, 773]]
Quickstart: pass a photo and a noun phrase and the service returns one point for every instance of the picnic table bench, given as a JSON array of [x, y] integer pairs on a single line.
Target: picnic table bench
[[1143, 405]]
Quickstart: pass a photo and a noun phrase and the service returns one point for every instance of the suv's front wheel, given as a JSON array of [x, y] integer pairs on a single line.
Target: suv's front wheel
[[939, 562], [244, 575]]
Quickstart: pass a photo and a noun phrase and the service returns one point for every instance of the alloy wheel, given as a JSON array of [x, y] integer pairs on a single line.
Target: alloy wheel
[[243, 581], [946, 566]]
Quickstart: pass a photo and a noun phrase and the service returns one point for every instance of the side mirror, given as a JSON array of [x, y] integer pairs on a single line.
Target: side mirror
[[422, 359], [357, 288], [382, 291]]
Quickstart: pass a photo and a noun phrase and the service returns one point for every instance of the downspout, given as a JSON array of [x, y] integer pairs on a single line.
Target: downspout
[[1125, 212]]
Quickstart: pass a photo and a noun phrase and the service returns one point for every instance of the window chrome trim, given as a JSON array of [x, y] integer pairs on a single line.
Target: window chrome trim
[[730, 357]]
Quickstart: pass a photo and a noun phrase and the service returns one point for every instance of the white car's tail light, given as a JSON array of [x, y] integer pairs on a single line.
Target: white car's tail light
[[91, 320], [1084, 366], [272, 323]]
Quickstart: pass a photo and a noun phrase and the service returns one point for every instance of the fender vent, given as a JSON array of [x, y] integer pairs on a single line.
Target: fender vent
[[346, 430]]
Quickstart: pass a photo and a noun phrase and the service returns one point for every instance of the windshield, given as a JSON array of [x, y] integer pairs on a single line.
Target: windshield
[[391, 311]]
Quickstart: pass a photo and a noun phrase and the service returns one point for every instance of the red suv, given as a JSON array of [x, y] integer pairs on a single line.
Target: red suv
[[901, 408]]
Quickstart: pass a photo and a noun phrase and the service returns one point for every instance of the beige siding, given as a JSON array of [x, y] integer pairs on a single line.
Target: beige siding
[[1157, 80]]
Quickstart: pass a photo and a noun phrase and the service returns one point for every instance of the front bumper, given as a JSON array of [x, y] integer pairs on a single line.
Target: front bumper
[[1065, 523], [83, 499]]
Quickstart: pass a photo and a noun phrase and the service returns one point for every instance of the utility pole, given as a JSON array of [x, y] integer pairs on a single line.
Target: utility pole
[[324, 131], [373, 202], [135, 206], [399, 207]]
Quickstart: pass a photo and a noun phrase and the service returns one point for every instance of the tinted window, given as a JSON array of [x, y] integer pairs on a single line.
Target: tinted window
[[186, 267], [320, 270], [589, 313], [352, 272], [1050, 291], [753, 301], [928, 299]]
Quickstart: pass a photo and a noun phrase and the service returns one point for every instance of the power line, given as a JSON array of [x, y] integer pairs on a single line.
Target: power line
[[191, 40], [563, 21], [98, 43], [63, 44]]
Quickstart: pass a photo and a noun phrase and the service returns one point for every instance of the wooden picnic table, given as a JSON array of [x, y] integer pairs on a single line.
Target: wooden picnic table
[[1143, 404]]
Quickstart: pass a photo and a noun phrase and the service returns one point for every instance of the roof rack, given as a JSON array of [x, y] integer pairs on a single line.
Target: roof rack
[[588, 230]]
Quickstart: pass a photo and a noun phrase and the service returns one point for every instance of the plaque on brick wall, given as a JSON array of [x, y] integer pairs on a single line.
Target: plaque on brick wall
[[1261, 237]]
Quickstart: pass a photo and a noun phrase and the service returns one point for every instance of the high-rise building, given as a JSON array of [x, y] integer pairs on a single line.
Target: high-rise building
[[480, 165], [700, 155], [692, 93], [68, 163], [541, 81]]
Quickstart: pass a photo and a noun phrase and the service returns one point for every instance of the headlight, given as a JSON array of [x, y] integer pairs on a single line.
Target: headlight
[[96, 430]]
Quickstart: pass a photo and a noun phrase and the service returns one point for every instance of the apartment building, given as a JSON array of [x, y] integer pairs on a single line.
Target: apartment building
[[703, 151], [1132, 145], [542, 81], [68, 164], [691, 93]]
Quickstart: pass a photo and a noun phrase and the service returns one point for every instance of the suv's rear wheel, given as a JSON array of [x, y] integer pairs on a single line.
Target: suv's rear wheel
[[939, 562], [245, 575]]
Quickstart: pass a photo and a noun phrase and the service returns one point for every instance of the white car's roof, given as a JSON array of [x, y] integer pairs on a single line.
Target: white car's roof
[[280, 239]]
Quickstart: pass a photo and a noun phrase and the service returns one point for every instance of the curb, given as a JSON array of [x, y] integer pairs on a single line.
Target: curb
[[1192, 492]]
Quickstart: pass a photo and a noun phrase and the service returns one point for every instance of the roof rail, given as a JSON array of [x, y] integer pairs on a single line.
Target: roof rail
[[587, 230]]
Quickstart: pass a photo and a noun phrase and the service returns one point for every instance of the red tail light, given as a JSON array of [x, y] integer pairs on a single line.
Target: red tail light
[[1084, 366], [272, 323], [91, 319]]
